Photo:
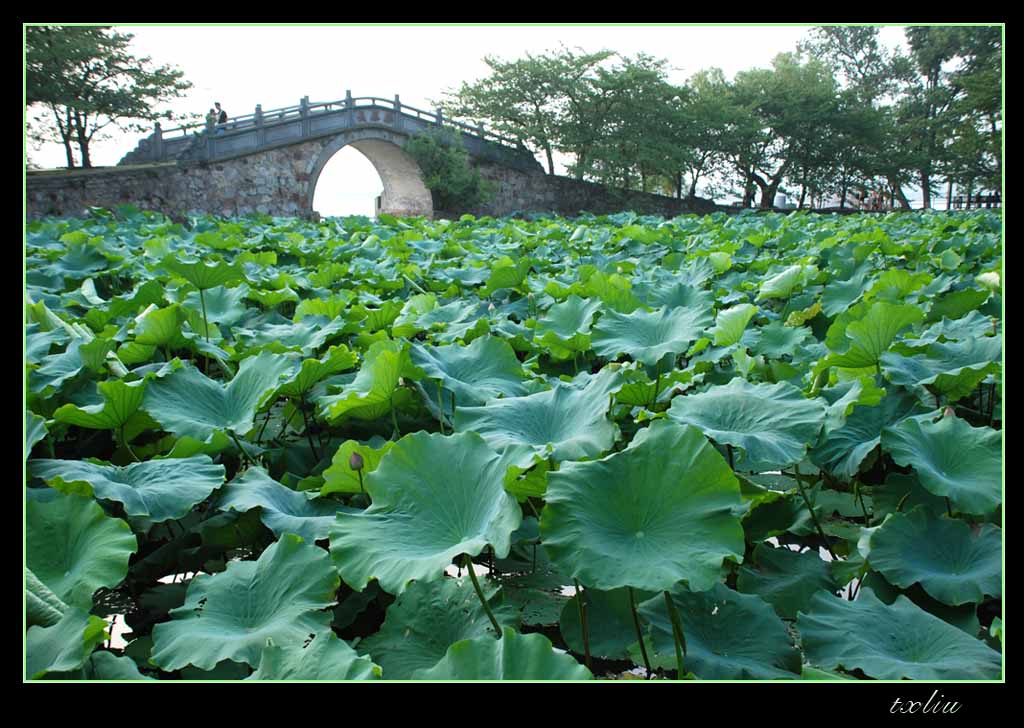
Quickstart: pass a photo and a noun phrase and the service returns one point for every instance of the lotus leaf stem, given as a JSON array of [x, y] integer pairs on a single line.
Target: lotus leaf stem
[[677, 634], [440, 407], [814, 516], [206, 324], [240, 448], [468, 563], [582, 607], [639, 632]]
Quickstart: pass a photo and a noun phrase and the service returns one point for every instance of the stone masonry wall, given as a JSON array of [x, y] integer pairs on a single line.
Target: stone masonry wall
[[272, 182], [517, 191], [276, 182]]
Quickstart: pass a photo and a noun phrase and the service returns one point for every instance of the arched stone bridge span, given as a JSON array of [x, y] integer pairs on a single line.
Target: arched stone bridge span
[[243, 150], [269, 162]]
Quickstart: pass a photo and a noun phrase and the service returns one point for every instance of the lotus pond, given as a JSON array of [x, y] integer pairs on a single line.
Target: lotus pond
[[757, 446]]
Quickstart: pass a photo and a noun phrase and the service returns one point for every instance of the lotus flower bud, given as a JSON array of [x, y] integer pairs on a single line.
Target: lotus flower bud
[[490, 308], [530, 295], [948, 412], [618, 269], [401, 381], [355, 461]]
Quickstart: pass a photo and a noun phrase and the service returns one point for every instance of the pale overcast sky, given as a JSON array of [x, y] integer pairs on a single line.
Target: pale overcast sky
[[276, 66]]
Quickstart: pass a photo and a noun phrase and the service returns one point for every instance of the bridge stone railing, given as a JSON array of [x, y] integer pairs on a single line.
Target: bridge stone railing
[[279, 127]]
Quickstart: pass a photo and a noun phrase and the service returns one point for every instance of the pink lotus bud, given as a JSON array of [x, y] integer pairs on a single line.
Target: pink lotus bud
[[490, 308], [948, 412], [355, 461]]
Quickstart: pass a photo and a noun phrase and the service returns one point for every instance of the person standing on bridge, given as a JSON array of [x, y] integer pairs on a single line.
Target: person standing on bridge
[[222, 116]]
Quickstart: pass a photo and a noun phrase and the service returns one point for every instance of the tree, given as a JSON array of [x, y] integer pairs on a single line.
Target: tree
[[447, 173], [534, 99], [780, 118], [82, 80]]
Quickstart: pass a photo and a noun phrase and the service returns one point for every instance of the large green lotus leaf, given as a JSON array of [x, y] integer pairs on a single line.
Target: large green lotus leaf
[[783, 284], [771, 424], [202, 275], [189, 404], [282, 509], [891, 642], [375, 388], [647, 337], [74, 548], [785, 578], [103, 665], [514, 657], [974, 325], [953, 369], [223, 305], [159, 326], [64, 646], [904, 492], [869, 337], [434, 498], [842, 451], [323, 657], [57, 368], [565, 422], [952, 459], [307, 336], [731, 322], [80, 261], [486, 369], [839, 295], [340, 477], [427, 618], [663, 510], [565, 327], [337, 359], [35, 430], [610, 628], [964, 617], [777, 340], [155, 489], [952, 562], [956, 304], [673, 293], [121, 400], [42, 606], [729, 636], [39, 342], [230, 615]]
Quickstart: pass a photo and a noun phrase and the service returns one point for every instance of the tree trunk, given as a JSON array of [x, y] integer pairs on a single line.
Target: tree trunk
[[897, 193], [679, 185], [949, 194], [926, 190], [803, 195], [842, 194], [551, 160]]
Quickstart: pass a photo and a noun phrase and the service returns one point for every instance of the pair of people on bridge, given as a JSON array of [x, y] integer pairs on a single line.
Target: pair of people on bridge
[[217, 116]]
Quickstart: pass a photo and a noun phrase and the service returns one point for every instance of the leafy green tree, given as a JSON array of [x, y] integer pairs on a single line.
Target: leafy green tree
[[529, 99], [447, 172], [81, 80], [780, 116]]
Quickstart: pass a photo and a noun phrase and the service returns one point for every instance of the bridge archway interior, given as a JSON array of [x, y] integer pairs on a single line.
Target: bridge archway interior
[[348, 185], [403, 193]]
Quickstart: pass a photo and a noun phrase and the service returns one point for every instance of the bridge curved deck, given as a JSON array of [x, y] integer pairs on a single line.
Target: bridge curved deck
[[265, 130]]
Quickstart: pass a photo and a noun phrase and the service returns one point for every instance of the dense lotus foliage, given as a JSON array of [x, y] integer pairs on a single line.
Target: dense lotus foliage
[[756, 446]]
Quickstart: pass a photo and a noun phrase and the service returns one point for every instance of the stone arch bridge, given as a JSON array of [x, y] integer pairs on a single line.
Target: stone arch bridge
[[269, 162]]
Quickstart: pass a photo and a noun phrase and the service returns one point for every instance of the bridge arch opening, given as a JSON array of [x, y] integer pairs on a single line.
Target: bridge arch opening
[[402, 191], [348, 185]]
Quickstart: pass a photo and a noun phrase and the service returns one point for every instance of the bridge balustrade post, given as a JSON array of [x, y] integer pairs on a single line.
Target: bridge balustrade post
[[398, 112], [261, 134], [158, 143], [440, 117], [304, 113], [349, 104]]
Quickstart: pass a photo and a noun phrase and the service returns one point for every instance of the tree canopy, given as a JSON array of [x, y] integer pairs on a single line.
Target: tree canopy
[[80, 80]]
